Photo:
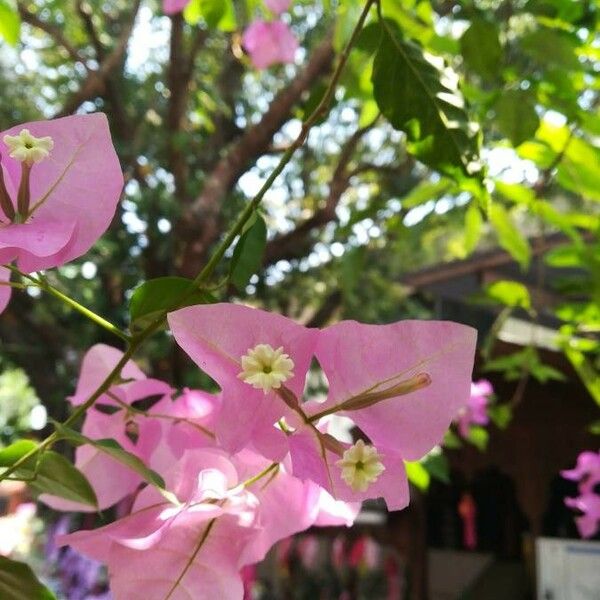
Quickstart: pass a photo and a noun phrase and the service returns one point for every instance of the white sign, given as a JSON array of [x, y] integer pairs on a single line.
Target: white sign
[[568, 569]]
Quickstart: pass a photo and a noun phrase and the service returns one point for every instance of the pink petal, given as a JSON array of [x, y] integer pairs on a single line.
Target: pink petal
[[97, 363], [358, 357], [35, 240], [79, 184], [171, 7], [277, 6], [269, 43], [217, 336]]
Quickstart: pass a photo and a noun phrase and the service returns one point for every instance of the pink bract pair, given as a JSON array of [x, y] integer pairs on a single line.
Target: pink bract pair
[[61, 182], [401, 384]]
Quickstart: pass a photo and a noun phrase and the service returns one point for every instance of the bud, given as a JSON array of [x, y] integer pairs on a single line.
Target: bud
[[400, 389], [5, 202]]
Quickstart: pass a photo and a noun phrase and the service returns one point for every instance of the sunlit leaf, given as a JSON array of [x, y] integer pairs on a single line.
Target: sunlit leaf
[[422, 99], [10, 22], [248, 254]]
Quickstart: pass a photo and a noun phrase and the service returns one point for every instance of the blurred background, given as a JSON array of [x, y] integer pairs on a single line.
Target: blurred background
[[357, 228]]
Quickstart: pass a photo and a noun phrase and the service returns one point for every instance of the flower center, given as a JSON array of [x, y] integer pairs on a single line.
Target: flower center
[[27, 148], [265, 368], [361, 466]]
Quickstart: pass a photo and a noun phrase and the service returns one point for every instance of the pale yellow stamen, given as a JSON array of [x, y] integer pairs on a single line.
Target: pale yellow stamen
[[361, 466], [265, 368], [28, 149]]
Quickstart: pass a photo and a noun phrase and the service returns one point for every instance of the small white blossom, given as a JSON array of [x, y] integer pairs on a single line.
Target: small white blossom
[[361, 465], [26, 148], [265, 368]]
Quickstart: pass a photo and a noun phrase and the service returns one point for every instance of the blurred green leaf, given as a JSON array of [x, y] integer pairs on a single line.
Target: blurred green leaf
[[586, 371], [436, 464], [500, 414], [217, 14], [451, 440], [479, 437], [481, 48], [422, 99], [516, 116], [417, 474], [509, 293], [10, 22], [18, 582], [248, 254], [509, 236]]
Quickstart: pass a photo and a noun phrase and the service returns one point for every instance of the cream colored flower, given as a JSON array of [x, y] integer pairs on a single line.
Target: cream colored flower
[[361, 465], [265, 368], [26, 148]]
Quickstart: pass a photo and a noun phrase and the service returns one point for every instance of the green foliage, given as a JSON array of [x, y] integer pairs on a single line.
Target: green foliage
[[48, 473], [479, 437], [422, 99], [17, 400], [417, 474], [516, 116], [10, 22], [481, 48], [509, 293], [18, 582], [248, 254], [509, 236], [217, 14], [156, 295]]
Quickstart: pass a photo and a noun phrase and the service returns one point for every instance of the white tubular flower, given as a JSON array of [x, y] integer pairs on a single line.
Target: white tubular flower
[[28, 149], [361, 466], [265, 368]]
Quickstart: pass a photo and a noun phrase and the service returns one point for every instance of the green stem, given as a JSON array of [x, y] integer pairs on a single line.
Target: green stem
[[91, 315]]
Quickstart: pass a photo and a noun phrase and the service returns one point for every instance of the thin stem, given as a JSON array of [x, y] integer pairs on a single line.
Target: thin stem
[[272, 467], [42, 284]]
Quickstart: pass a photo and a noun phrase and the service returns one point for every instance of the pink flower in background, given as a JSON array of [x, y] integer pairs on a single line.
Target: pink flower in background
[[172, 7], [400, 383], [586, 472], [61, 181], [109, 418], [269, 43], [589, 505], [277, 6], [475, 411]]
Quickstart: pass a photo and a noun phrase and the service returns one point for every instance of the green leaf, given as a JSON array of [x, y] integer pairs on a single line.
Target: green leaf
[[509, 293], [516, 117], [481, 48], [479, 437], [10, 22], [422, 99], [509, 236], [594, 428], [552, 48], [451, 440], [49, 473], [586, 371], [156, 295], [18, 582], [500, 414], [417, 474], [17, 450], [436, 464], [473, 224], [248, 254], [217, 14], [113, 449]]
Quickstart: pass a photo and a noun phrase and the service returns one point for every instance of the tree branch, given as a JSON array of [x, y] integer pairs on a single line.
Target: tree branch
[[53, 31], [95, 84], [297, 242], [199, 226]]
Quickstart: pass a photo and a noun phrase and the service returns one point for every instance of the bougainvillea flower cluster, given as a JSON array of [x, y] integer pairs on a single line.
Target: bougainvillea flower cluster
[[256, 462], [587, 504], [49, 211], [475, 410]]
